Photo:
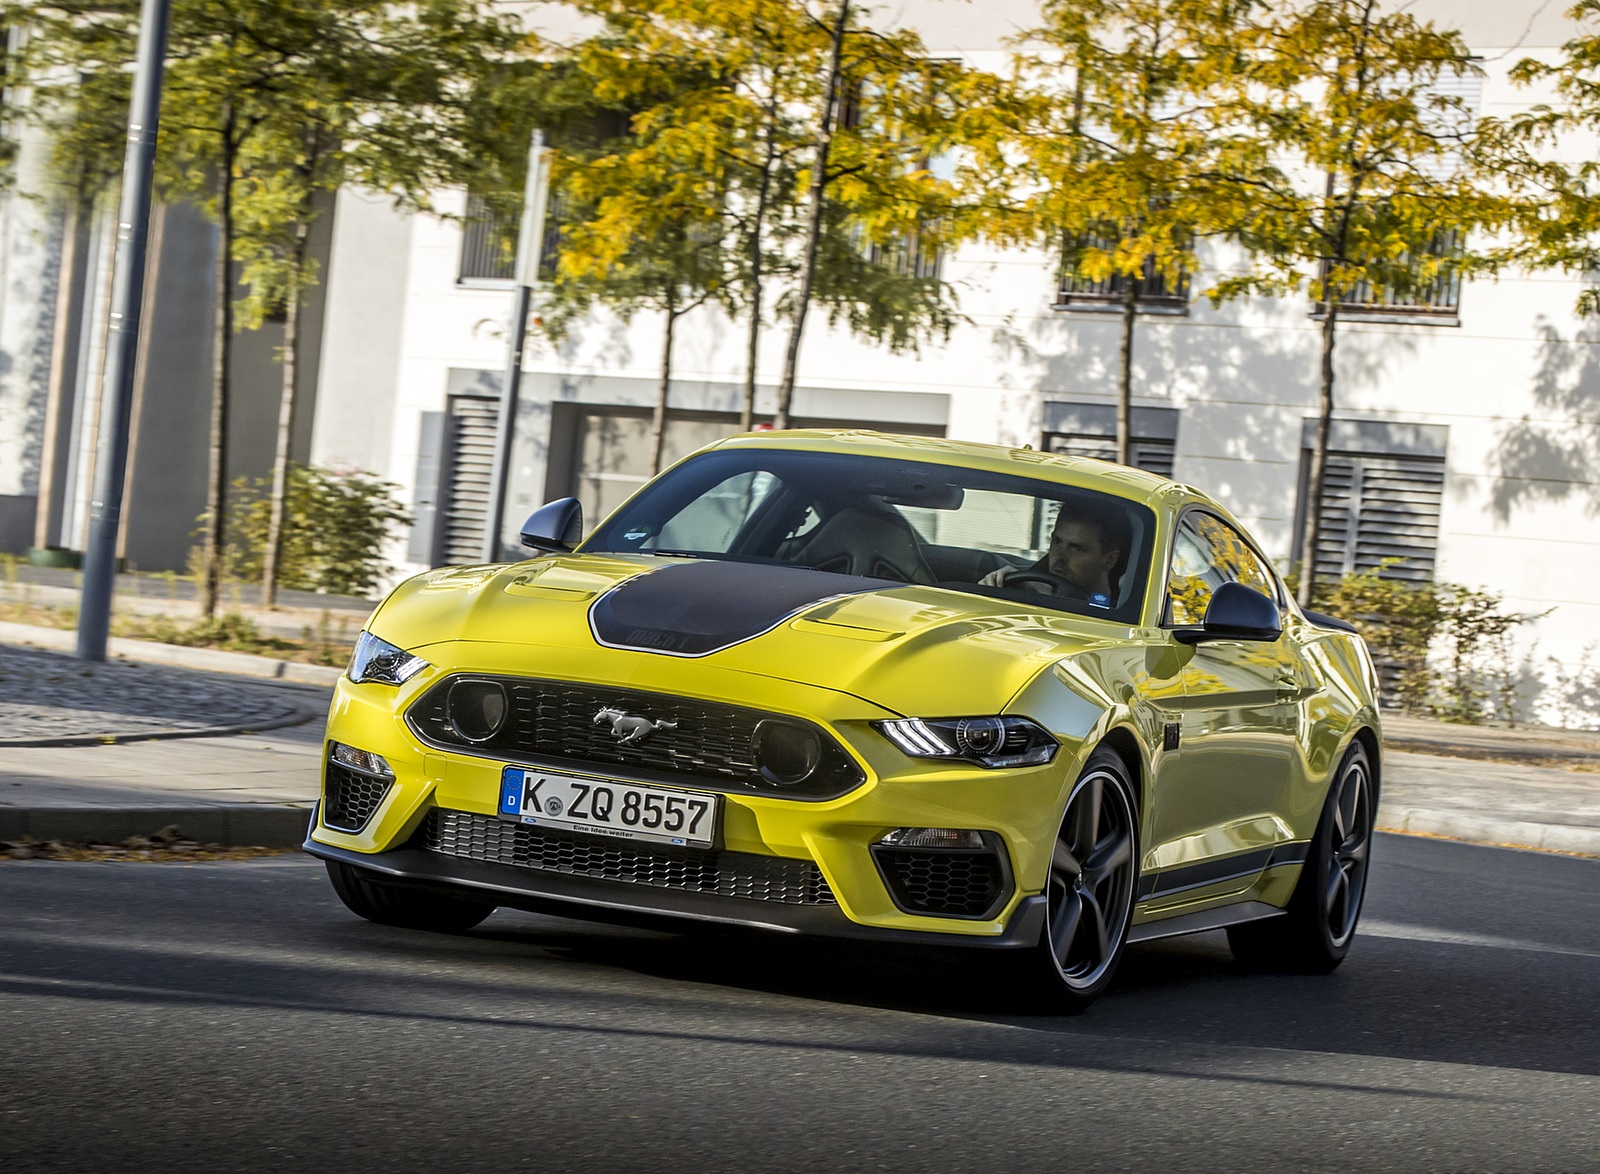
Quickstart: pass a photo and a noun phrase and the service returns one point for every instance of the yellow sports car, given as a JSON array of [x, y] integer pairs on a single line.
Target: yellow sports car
[[868, 686]]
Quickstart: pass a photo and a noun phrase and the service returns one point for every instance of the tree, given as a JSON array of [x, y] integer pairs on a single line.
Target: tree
[[1373, 173], [876, 211], [1557, 201], [268, 107], [1135, 156], [720, 104]]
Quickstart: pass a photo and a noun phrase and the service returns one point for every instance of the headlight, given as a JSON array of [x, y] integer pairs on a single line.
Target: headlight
[[381, 662], [988, 741]]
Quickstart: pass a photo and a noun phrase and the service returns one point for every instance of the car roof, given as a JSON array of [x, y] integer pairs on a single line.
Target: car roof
[[1106, 476]]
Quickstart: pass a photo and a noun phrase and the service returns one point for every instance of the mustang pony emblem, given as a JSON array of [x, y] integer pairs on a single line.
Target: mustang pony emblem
[[630, 730]]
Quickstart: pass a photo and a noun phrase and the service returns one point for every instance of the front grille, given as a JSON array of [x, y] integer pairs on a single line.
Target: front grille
[[556, 720], [349, 798], [730, 874], [942, 882]]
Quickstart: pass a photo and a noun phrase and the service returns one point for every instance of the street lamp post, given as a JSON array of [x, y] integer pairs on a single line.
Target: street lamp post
[[122, 342], [530, 247]]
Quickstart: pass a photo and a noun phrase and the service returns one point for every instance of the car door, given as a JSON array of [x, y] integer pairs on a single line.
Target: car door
[[1223, 777]]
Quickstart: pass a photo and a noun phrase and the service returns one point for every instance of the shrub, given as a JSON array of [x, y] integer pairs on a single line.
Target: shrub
[[1441, 648], [335, 525]]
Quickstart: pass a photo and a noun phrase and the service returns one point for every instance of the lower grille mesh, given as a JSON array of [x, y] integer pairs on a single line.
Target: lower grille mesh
[[350, 797], [730, 874], [943, 883]]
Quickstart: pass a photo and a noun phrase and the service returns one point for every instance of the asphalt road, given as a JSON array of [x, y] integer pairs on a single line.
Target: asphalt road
[[235, 1017]]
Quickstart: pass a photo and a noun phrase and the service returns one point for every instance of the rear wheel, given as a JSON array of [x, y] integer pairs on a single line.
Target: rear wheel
[[1314, 934], [1089, 895], [403, 906]]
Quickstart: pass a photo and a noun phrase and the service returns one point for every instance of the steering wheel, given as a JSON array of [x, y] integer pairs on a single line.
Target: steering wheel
[[1058, 586]]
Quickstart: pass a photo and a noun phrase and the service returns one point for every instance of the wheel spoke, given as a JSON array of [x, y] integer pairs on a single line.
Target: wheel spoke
[[1086, 812], [1108, 856], [1355, 853], [1064, 927], [1097, 928], [1063, 864], [1331, 885], [1350, 791]]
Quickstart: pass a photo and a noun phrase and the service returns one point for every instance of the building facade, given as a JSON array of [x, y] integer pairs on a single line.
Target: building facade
[[1466, 440]]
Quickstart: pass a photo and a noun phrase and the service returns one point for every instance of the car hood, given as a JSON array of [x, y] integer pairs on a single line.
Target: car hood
[[906, 648]]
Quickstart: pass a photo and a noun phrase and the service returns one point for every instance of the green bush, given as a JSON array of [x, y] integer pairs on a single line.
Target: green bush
[[335, 525], [1441, 648]]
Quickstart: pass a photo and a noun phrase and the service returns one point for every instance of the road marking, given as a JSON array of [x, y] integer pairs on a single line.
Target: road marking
[[1448, 937]]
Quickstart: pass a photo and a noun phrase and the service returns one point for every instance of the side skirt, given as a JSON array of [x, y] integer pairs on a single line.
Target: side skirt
[[1205, 919]]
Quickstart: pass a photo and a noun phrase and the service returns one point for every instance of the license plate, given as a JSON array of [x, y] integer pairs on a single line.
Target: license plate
[[608, 807]]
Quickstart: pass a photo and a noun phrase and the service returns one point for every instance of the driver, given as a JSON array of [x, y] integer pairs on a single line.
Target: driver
[[1086, 555]]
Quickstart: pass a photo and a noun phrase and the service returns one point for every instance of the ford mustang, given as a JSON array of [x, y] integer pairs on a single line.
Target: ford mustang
[[875, 687]]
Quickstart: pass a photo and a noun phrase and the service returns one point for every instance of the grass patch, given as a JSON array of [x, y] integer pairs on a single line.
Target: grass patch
[[327, 644]]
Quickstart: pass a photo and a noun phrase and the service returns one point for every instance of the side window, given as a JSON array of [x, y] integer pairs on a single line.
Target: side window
[[1206, 553]]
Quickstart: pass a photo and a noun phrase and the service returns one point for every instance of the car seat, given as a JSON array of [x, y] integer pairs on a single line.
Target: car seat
[[878, 544]]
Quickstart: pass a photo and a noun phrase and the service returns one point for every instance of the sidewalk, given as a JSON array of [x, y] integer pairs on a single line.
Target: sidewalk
[[226, 746]]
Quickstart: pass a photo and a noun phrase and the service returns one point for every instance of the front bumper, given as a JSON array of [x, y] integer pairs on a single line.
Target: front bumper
[[622, 902]]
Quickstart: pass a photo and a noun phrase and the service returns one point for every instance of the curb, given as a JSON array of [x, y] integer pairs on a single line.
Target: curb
[[234, 825], [1501, 833], [298, 718], [241, 664]]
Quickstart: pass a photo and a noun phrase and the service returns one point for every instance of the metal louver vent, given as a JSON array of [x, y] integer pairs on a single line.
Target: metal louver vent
[[1153, 456], [1380, 508], [469, 460]]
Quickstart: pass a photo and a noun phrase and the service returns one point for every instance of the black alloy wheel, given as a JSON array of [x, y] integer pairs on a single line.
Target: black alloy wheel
[[1315, 933], [1094, 870], [402, 905]]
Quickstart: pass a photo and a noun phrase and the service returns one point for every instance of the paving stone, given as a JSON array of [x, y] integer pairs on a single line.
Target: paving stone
[[47, 698]]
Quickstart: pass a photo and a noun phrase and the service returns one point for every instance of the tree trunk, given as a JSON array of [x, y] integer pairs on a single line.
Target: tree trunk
[[658, 422], [819, 179], [1319, 461], [1130, 313], [280, 463], [222, 346], [747, 413]]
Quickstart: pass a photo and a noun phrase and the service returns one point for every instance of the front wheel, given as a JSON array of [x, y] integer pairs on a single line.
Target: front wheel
[[1094, 869], [1314, 934], [403, 906]]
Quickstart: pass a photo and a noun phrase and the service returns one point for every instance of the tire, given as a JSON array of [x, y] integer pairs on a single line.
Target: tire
[[401, 905], [1089, 894], [1319, 924]]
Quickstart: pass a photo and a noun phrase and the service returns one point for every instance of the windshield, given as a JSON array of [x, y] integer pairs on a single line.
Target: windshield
[[991, 534]]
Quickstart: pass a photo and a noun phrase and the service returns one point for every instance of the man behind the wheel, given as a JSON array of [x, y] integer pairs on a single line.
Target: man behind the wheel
[[1088, 548]]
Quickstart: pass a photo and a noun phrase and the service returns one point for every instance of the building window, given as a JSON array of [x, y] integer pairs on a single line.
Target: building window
[[1435, 296], [905, 255], [911, 253], [1151, 289], [1090, 430], [489, 242]]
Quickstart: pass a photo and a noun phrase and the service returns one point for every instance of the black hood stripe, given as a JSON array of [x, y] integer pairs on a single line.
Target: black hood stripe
[[695, 609]]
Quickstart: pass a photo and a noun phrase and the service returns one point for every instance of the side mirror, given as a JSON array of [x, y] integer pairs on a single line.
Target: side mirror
[[1236, 612], [556, 526]]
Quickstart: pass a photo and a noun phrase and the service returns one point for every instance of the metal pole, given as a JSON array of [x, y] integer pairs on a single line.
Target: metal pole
[[530, 244], [127, 299]]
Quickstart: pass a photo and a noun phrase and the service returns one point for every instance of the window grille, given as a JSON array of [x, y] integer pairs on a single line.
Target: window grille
[[489, 242], [1439, 295], [1150, 286]]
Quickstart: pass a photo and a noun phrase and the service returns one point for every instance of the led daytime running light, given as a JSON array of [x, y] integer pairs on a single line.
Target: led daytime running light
[[988, 741]]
